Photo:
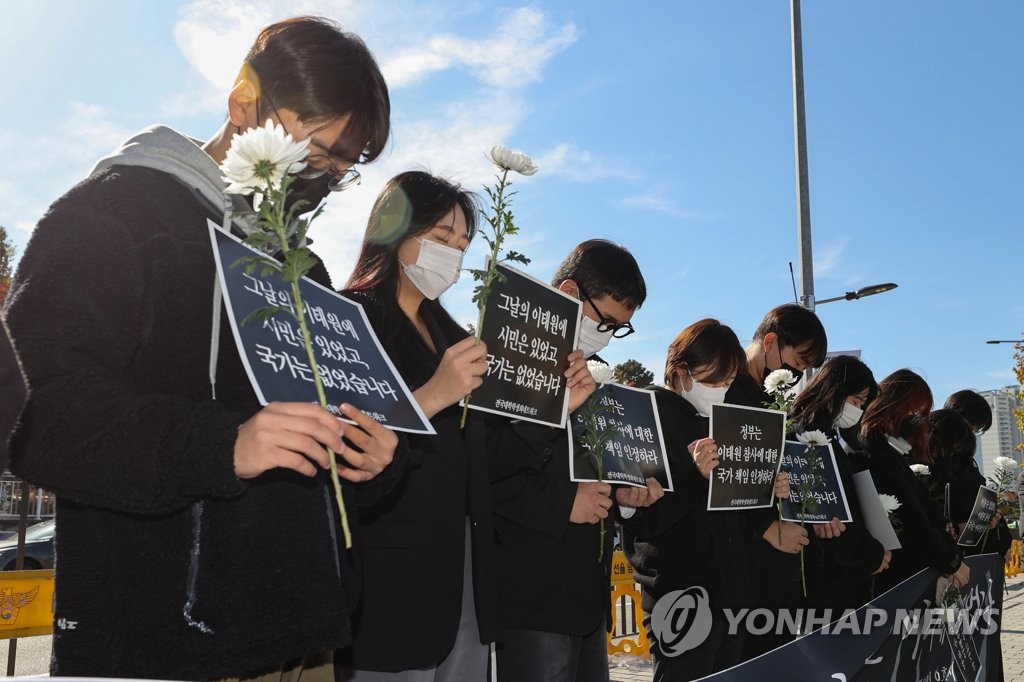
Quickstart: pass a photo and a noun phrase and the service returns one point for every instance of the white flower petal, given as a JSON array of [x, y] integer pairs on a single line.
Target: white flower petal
[[778, 380], [812, 438], [515, 161], [267, 149], [890, 503], [601, 372]]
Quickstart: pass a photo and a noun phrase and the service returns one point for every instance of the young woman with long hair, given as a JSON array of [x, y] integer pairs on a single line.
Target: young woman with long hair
[[839, 565], [894, 430], [429, 598]]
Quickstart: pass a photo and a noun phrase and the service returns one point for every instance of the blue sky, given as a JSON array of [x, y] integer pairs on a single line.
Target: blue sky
[[666, 127]]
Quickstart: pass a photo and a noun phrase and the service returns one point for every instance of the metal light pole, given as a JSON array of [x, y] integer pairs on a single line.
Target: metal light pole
[[803, 198]]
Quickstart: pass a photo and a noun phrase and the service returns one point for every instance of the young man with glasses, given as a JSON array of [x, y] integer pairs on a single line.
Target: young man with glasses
[[554, 601], [198, 536]]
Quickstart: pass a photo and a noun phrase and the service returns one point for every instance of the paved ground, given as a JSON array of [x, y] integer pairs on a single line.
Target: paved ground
[[632, 669]]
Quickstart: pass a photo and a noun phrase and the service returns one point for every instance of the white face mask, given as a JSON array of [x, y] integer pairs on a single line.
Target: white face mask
[[702, 396], [436, 268], [850, 415], [592, 341]]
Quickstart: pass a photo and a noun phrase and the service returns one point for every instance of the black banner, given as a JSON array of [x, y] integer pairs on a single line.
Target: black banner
[[529, 328], [636, 450], [352, 365], [749, 441], [903, 635], [828, 493]]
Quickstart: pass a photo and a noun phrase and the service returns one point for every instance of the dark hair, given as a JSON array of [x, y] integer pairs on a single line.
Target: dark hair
[[796, 327], [410, 204], [971, 407], [950, 438], [821, 401], [309, 65], [706, 343], [602, 268], [900, 395]]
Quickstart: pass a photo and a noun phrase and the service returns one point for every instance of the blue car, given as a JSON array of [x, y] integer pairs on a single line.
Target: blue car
[[38, 547]]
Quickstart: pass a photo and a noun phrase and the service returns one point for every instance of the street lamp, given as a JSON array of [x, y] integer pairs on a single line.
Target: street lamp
[[861, 293], [1005, 341]]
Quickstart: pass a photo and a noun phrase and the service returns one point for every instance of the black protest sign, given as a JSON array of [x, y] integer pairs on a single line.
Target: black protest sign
[[529, 328], [984, 508], [906, 633], [749, 441], [813, 474], [635, 448], [352, 365]]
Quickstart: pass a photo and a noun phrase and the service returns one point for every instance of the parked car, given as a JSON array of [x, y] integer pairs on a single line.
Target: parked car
[[38, 547]]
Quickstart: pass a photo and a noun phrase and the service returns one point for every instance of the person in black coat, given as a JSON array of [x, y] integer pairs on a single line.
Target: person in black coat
[[893, 428], [429, 607], [789, 337], [842, 557], [198, 537], [676, 544], [553, 588], [951, 465]]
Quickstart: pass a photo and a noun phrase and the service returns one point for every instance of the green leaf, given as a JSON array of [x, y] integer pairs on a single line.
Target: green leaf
[[263, 314]]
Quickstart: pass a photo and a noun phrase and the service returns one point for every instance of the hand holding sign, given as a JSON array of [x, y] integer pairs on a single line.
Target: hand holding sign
[[640, 497], [578, 380], [373, 446], [287, 435], [705, 455]]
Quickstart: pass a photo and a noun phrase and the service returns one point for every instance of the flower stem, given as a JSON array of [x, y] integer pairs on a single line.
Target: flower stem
[[485, 290], [803, 574], [307, 340]]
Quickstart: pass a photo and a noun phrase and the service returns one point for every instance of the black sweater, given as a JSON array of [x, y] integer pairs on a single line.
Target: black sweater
[[676, 543], [168, 566]]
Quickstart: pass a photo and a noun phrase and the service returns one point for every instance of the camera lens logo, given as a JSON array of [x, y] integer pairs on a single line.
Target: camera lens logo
[[681, 620]]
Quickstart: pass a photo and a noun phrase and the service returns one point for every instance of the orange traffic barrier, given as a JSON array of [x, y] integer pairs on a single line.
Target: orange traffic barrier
[[627, 616], [26, 603], [1013, 563]]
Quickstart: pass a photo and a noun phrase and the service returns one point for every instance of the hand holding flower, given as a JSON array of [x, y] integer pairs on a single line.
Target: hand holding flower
[[460, 372]]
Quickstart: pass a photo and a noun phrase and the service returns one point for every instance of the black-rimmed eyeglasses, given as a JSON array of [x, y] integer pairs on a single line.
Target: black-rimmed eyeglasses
[[607, 324], [318, 165]]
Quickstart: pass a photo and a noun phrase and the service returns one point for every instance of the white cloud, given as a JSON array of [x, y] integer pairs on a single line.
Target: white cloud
[[828, 258], [215, 35], [514, 55], [86, 133], [579, 165], [662, 204]]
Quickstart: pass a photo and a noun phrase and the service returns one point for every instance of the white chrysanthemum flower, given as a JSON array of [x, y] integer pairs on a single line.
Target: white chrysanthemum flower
[[890, 503], [601, 372], [508, 159], [260, 157], [920, 469], [1006, 463], [779, 380], [812, 438]]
